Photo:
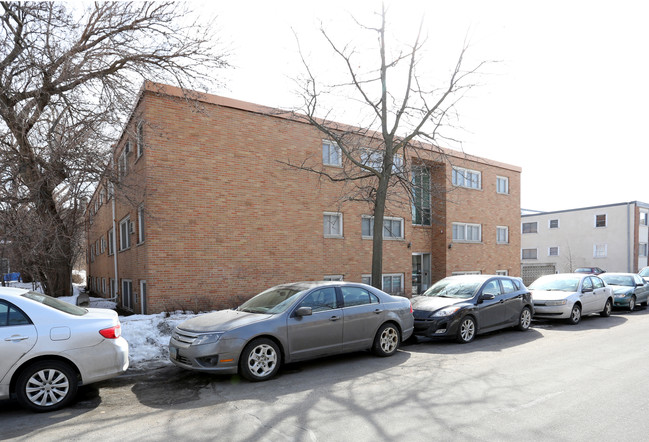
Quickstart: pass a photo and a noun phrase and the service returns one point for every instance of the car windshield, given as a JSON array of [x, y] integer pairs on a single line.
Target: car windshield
[[619, 280], [584, 270], [56, 303], [454, 288], [273, 300], [562, 284]]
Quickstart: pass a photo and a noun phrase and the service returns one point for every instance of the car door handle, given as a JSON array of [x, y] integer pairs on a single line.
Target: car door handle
[[334, 318], [16, 338], [377, 311]]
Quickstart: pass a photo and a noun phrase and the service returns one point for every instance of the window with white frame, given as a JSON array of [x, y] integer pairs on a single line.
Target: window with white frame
[[553, 251], [502, 185], [331, 154], [122, 163], [502, 235], [103, 244], [111, 241], [643, 218], [529, 253], [467, 232], [471, 179], [466, 272], [392, 227], [103, 285], [600, 250], [127, 294], [374, 159], [392, 283], [530, 227], [140, 224], [502, 272], [125, 233], [333, 225], [421, 204], [143, 298], [643, 249], [600, 220], [366, 279], [140, 139], [553, 224]]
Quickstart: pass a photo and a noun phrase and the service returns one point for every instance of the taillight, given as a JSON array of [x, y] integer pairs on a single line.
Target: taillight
[[411, 308], [113, 332]]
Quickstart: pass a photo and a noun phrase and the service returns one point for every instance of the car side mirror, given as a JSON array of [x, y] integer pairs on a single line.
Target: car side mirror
[[486, 297], [587, 290], [304, 311]]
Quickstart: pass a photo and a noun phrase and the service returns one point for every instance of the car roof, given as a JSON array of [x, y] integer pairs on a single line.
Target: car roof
[[12, 291], [604, 275]]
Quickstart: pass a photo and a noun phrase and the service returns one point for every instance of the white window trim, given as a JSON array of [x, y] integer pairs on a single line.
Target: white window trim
[[464, 172], [530, 222], [646, 214], [385, 218], [140, 224], [139, 138], [498, 178], [132, 295], [595, 220], [506, 233], [392, 275], [340, 217], [530, 248], [554, 247], [466, 272], [125, 239], [643, 249], [502, 272], [340, 154], [332, 278], [595, 251], [465, 225]]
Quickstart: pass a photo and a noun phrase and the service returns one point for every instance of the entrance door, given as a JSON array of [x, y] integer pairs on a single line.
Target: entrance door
[[420, 272]]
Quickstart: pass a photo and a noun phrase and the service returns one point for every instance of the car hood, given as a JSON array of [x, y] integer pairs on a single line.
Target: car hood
[[434, 303], [223, 320], [550, 295], [621, 289]]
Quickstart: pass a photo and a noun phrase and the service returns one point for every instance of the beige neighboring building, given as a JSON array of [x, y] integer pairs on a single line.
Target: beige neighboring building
[[614, 237]]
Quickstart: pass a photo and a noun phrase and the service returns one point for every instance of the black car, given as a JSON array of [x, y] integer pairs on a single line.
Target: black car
[[463, 306]]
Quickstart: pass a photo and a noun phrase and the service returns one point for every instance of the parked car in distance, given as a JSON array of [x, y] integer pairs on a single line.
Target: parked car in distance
[[49, 347], [590, 270], [629, 289], [289, 323], [570, 296], [466, 305], [644, 273]]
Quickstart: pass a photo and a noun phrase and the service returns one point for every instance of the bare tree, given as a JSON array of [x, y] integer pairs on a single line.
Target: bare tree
[[377, 153], [68, 78]]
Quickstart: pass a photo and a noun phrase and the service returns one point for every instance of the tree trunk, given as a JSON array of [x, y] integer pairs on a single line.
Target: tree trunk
[[377, 241]]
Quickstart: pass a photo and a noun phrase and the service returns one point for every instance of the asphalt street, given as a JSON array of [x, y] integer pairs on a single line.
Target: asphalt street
[[554, 382]]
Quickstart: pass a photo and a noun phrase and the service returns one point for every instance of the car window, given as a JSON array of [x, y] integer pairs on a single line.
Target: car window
[[508, 285], [597, 282], [355, 296], [492, 288], [638, 280], [10, 315], [320, 300], [586, 284], [56, 303]]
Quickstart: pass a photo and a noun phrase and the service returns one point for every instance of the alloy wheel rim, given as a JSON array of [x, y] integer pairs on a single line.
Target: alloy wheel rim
[[526, 318], [467, 330], [262, 360], [47, 387], [389, 340], [576, 314]]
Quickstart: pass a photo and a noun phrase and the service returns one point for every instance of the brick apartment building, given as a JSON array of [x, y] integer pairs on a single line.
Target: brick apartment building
[[206, 213]]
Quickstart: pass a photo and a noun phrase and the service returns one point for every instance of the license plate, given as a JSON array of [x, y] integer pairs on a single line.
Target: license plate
[[173, 352]]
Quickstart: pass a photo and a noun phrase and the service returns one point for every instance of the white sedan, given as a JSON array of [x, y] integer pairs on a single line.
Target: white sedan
[[49, 347], [570, 296]]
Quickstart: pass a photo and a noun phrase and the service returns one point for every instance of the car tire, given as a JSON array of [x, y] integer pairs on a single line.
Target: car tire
[[524, 319], [260, 360], [46, 386], [575, 314], [608, 307], [632, 303], [387, 340], [466, 331]]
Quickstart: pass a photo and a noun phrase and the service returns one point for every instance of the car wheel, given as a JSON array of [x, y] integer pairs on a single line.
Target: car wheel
[[46, 386], [386, 341], [525, 319], [632, 303], [575, 314], [466, 331], [260, 360], [608, 307]]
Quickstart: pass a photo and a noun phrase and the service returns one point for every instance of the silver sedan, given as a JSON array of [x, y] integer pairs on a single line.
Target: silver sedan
[[292, 322], [570, 296], [49, 347]]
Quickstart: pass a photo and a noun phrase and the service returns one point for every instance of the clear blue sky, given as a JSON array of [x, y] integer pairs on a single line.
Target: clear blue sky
[[566, 102]]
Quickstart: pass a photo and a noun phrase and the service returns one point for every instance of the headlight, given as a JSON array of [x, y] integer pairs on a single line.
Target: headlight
[[560, 302], [207, 338], [448, 311], [620, 295]]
